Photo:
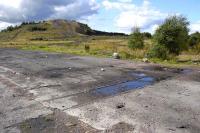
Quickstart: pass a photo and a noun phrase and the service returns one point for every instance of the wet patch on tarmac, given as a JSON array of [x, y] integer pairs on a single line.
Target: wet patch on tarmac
[[192, 77], [167, 69], [59, 122], [141, 81], [137, 80]]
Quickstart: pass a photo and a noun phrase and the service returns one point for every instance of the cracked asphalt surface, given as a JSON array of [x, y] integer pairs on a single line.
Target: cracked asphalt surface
[[54, 93]]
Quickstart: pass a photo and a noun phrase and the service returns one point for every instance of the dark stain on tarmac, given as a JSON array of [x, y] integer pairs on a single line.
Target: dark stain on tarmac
[[58, 122]]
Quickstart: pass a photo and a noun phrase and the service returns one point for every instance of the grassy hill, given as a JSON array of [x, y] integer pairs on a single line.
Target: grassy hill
[[49, 30]]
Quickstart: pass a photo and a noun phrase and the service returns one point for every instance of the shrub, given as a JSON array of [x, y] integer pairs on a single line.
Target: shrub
[[125, 55], [11, 28], [38, 39], [147, 35], [173, 34], [27, 23], [37, 28], [87, 48], [194, 39], [136, 40], [158, 51], [197, 49]]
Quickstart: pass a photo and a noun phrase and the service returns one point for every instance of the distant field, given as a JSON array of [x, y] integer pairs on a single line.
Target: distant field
[[100, 46]]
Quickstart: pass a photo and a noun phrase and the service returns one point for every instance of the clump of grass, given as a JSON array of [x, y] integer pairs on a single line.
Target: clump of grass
[[87, 48]]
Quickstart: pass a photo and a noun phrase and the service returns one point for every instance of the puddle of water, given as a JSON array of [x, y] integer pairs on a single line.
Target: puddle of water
[[138, 75], [186, 71], [147, 79], [141, 81]]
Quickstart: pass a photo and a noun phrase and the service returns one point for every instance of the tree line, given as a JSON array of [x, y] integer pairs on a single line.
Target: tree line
[[12, 28]]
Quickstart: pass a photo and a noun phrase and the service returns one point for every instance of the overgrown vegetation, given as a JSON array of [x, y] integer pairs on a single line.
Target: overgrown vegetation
[[171, 42], [136, 39], [147, 35], [158, 51], [11, 28], [194, 42], [87, 48], [172, 36], [37, 28], [194, 39]]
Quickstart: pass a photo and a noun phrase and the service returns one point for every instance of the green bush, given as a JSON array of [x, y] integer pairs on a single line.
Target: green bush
[[38, 39], [125, 55], [147, 35], [37, 28], [136, 40], [194, 39], [87, 48], [158, 51], [197, 49], [11, 28], [173, 34]]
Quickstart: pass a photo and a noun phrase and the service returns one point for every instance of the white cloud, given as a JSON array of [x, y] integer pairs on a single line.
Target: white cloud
[[4, 24], [14, 11], [152, 28], [125, 0], [118, 5], [76, 10], [143, 16], [11, 3], [194, 27]]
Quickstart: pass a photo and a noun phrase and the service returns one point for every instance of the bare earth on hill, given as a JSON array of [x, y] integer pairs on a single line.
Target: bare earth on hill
[[48, 92]]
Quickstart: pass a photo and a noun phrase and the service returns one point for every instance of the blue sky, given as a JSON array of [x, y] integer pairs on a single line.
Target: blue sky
[[189, 8], [105, 15], [106, 19]]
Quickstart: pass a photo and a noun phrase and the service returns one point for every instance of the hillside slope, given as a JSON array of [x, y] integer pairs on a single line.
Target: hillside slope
[[50, 30]]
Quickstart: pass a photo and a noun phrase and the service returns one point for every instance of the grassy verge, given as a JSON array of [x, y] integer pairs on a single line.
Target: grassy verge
[[100, 47]]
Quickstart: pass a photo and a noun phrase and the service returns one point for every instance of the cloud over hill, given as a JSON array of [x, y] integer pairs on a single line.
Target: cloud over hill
[[29, 10]]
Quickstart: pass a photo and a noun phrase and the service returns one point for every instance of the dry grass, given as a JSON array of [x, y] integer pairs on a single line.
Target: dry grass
[[99, 46]]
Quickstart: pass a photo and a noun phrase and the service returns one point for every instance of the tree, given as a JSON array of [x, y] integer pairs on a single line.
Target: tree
[[147, 35], [10, 28], [173, 34], [136, 40], [194, 39]]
